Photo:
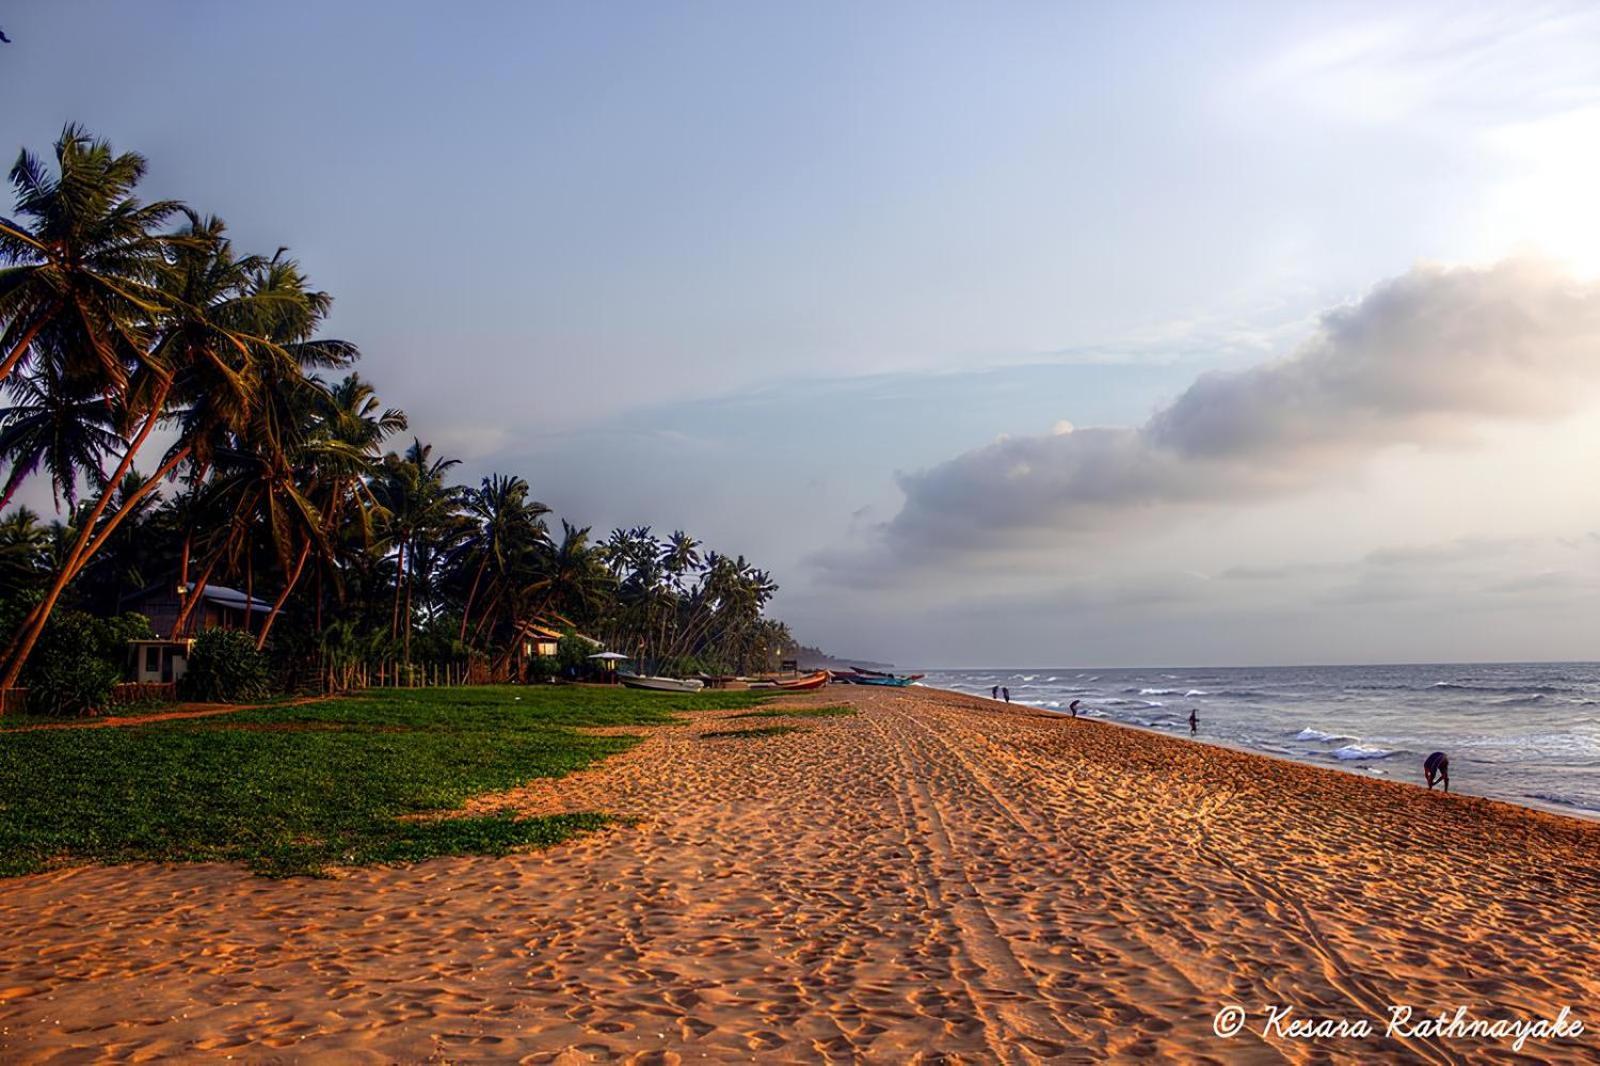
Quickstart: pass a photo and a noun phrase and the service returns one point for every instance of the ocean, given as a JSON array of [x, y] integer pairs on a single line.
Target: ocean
[[1528, 733]]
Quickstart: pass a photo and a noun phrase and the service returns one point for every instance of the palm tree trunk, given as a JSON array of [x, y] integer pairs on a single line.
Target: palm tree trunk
[[283, 596], [466, 610], [410, 580], [488, 612], [399, 572], [249, 585], [23, 345], [196, 594], [87, 543]]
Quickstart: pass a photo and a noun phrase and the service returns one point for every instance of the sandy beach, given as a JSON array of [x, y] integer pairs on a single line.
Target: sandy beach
[[934, 878]]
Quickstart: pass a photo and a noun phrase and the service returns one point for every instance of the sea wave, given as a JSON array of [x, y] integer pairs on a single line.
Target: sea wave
[[1564, 801], [1318, 735], [1467, 686], [1355, 752]]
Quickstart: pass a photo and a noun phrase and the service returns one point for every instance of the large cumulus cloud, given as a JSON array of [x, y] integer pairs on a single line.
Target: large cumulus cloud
[[1424, 358]]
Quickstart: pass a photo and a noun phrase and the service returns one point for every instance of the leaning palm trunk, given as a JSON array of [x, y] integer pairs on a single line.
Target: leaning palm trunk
[[88, 543], [28, 337], [195, 595], [472, 593], [283, 597]]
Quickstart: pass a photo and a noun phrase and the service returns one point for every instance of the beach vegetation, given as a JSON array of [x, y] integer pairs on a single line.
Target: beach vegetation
[[280, 473], [225, 666], [300, 788], [78, 661]]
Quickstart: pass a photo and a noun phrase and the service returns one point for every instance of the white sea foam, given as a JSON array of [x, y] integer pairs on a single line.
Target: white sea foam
[[1354, 752], [1318, 735]]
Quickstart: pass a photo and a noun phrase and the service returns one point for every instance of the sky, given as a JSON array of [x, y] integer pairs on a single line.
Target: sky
[[1002, 333]]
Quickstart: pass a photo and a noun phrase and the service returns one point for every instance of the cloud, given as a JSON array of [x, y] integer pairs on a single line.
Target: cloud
[[1425, 359]]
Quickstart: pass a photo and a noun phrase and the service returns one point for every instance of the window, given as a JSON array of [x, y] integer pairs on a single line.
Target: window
[[152, 659]]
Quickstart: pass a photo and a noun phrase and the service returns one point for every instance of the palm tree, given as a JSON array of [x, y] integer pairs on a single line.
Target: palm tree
[[506, 525], [84, 260], [224, 329], [420, 505], [572, 579], [24, 550], [53, 425], [351, 427]]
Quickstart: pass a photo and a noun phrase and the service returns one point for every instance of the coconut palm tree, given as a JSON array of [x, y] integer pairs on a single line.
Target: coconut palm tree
[[412, 490], [84, 258], [222, 330], [24, 551], [506, 526], [51, 424]]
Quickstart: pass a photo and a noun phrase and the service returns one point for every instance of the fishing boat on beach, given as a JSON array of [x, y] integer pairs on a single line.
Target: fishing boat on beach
[[861, 676], [662, 684], [815, 679]]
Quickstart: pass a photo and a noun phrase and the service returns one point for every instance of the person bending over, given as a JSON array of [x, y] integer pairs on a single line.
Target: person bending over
[[1437, 767]]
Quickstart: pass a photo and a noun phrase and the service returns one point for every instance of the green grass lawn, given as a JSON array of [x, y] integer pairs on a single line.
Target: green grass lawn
[[293, 790]]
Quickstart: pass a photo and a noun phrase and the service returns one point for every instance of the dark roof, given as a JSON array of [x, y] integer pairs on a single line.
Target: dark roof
[[234, 598], [221, 595]]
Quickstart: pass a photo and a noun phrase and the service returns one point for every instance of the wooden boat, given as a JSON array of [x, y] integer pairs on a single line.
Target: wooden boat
[[861, 676], [662, 684], [889, 680], [803, 684]]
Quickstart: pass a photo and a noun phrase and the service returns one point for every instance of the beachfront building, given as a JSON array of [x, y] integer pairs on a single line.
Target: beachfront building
[[164, 658], [158, 661], [220, 608], [538, 641]]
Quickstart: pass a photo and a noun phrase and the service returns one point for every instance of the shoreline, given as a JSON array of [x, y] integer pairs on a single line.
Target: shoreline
[[932, 874], [1521, 733], [1575, 814], [1581, 814]]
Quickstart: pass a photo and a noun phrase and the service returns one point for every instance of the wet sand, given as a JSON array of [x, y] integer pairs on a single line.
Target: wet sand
[[935, 878]]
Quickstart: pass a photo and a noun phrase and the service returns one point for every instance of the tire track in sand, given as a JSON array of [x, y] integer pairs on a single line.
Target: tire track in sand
[[1015, 1021]]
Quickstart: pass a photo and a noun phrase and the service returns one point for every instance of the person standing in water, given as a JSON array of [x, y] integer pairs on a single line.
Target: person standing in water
[[1006, 693], [1194, 721], [1435, 766], [994, 693]]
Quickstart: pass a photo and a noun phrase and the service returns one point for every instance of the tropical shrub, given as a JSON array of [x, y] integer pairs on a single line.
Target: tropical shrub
[[572, 654], [78, 660], [226, 667]]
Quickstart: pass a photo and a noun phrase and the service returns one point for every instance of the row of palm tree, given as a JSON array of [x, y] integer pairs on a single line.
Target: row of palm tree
[[124, 323]]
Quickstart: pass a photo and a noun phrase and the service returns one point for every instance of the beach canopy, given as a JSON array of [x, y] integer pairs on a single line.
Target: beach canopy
[[612, 655]]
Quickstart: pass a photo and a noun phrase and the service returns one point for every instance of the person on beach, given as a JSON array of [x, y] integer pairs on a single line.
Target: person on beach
[[1006, 693], [994, 693], [1073, 707], [1437, 766], [1194, 721]]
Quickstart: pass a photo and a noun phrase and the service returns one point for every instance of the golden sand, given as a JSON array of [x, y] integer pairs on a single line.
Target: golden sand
[[934, 878]]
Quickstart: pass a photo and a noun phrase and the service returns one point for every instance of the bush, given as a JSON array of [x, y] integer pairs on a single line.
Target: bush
[[572, 654], [225, 667], [543, 667], [78, 659]]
